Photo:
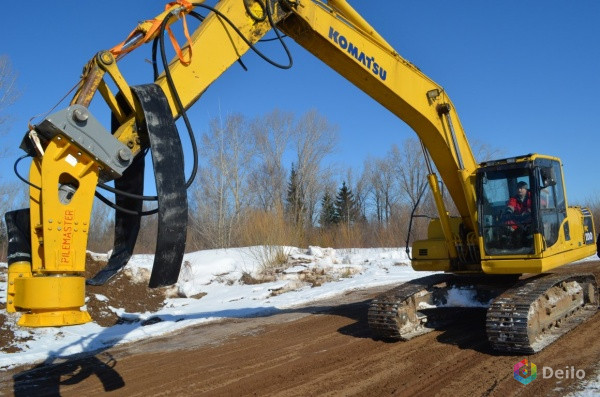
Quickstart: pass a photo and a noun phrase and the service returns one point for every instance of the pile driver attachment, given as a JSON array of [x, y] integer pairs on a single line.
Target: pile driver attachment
[[71, 152]]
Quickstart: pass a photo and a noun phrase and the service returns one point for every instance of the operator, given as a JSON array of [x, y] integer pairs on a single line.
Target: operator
[[519, 207]]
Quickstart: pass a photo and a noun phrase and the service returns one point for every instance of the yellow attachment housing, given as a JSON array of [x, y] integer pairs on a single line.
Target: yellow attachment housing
[[55, 302], [64, 226], [17, 270]]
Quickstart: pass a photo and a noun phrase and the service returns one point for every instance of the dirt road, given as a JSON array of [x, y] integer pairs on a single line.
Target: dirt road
[[326, 349]]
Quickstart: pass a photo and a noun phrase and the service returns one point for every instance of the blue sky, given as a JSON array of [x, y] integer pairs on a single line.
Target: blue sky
[[523, 76]]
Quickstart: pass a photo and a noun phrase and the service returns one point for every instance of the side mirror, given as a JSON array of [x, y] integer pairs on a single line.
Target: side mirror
[[548, 176]]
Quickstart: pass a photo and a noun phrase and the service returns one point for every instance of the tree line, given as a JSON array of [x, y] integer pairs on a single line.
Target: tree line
[[267, 181]]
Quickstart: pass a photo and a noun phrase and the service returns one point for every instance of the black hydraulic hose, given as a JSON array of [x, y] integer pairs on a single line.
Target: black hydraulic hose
[[270, 39], [159, 42], [249, 11], [280, 38], [250, 45], [127, 194], [412, 215], [201, 18], [182, 111], [154, 63], [155, 48], [180, 108], [260, 19], [15, 169], [123, 209], [171, 83]]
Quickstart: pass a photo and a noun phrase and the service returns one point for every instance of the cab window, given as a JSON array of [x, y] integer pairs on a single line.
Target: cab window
[[507, 231]]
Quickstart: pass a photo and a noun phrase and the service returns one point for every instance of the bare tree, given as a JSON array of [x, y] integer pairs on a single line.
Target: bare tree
[[12, 195], [383, 182], [360, 187], [410, 168], [484, 152], [314, 139], [369, 188], [272, 136], [102, 227], [361, 192], [221, 191]]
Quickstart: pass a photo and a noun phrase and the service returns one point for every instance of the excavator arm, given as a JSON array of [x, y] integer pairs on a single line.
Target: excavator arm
[[336, 34]]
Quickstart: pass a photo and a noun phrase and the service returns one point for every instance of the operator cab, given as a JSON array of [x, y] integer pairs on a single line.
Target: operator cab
[[510, 231]]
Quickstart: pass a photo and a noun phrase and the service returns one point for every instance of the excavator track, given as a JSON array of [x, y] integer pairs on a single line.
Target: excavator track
[[395, 313], [523, 316], [536, 312]]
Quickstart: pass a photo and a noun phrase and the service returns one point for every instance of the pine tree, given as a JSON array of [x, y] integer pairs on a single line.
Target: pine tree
[[295, 208], [329, 215], [345, 204]]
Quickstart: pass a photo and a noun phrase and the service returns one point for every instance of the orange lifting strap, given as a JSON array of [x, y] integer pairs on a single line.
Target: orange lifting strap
[[150, 28]]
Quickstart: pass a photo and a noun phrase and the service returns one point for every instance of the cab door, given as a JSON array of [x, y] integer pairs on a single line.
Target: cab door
[[552, 203]]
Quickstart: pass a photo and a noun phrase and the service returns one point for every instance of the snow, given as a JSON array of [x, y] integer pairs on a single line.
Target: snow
[[458, 297], [589, 387], [215, 275]]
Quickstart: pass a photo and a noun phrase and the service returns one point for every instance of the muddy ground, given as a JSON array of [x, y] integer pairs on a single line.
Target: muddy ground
[[324, 349]]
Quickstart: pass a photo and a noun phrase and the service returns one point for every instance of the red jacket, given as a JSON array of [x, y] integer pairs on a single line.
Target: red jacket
[[519, 207]]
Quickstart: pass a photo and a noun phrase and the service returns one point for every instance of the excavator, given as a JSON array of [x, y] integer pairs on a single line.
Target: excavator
[[500, 258]]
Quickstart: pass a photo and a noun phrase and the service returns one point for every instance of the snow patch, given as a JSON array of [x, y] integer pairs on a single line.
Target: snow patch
[[458, 297], [101, 298]]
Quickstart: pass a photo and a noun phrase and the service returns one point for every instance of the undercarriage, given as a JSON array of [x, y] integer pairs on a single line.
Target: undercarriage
[[523, 315]]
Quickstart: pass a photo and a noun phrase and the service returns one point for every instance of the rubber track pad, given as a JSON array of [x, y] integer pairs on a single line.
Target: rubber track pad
[[18, 232], [167, 159]]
